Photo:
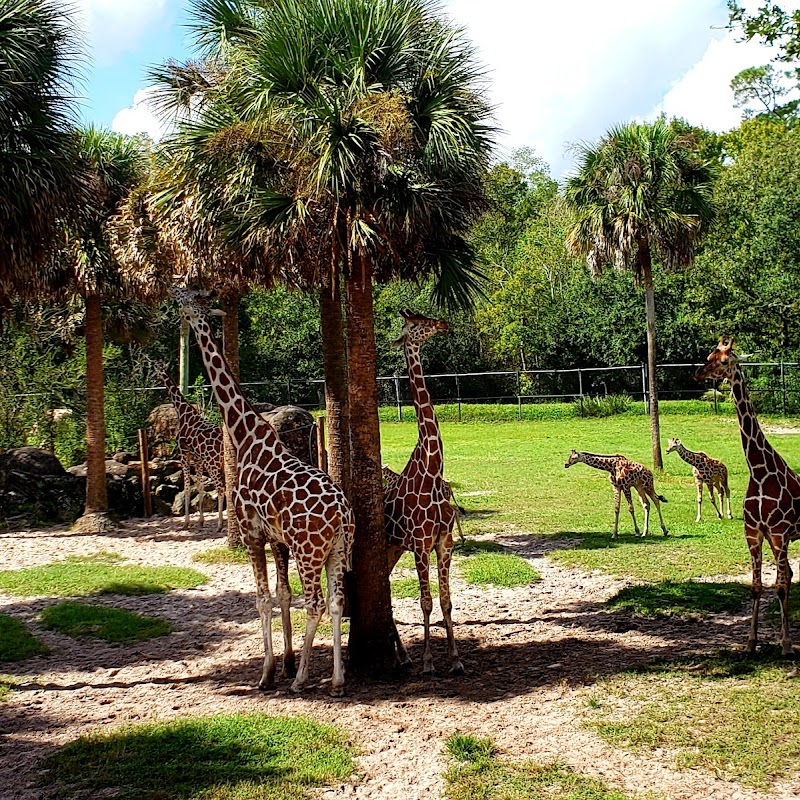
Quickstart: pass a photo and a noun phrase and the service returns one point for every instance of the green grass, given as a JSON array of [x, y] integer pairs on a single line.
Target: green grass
[[511, 478], [223, 555], [251, 757], [409, 587], [113, 625], [683, 599], [16, 642], [737, 717], [324, 628], [6, 686], [497, 569], [470, 547], [479, 775], [75, 577]]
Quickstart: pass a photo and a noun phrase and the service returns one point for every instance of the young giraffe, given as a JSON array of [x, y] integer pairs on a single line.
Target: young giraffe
[[772, 500], [625, 474], [418, 512], [199, 443], [282, 502], [706, 470]]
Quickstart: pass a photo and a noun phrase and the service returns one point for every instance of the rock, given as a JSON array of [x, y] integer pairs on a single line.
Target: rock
[[123, 457], [30, 460], [166, 492], [263, 408], [296, 430], [209, 502], [162, 429]]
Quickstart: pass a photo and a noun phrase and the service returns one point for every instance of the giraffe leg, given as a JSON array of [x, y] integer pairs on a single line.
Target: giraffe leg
[[629, 501], [187, 488], [699, 486], [280, 552], [727, 499], [426, 603], [220, 501], [444, 553], [783, 583], [201, 493], [646, 507], [334, 568], [616, 512], [713, 501], [310, 577], [755, 540], [657, 502], [394, 553]]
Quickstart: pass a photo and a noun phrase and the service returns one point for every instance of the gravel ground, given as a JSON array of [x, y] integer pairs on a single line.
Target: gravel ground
[[531, 655]]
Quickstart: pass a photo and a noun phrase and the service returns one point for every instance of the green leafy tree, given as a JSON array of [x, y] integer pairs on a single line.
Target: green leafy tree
[[641, 191], [761, 85]]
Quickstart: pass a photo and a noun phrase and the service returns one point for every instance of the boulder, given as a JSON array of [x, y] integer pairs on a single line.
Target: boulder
[[162, 429], [30, 460], [296, 430]]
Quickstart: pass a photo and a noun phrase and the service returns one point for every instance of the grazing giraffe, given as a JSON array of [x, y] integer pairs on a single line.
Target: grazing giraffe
[[418, 513], [772, 500], [706, 470], [199, 444], [281, 502], [625, 475]]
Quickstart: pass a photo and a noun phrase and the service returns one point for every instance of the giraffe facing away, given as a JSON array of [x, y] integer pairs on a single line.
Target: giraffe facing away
[[281, 502], [707, 471], [772, 500], [419, 515], [199, 445], [625, 475]]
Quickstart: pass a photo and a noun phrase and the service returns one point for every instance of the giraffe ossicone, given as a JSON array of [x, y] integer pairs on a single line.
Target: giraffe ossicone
[[285, 504], [772, 501], [419, 514], [625, 475], [707, 471]]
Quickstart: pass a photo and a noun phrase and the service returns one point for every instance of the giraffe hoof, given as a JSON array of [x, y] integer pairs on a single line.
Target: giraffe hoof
[[457, 668], [297, 688], [266, 685], [428, 669], [337, 691]]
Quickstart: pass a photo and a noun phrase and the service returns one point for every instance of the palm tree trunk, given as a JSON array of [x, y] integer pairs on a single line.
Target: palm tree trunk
[[95, 514], [371, 645], [650, 306], [230, 349], [337, 406]]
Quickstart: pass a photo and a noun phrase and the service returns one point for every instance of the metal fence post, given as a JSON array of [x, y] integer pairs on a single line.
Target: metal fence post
[[458, 396], [519, 396], [397, 397], [715, 389], [783, 387], [580, 387], [645, 398]]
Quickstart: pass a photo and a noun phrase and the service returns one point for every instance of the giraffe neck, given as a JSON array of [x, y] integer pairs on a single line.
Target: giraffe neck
[[186, 411], [243, 423], [689, 456], [755, 445], [608, 463], [429, 443]]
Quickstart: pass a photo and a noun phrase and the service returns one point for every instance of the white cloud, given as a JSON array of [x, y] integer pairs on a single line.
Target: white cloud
[[114, 27], [139, 117]]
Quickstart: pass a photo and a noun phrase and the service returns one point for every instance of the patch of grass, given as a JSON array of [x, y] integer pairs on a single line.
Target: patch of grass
[[773, 609], [16, 642], [409, 587], [471, 546], [113, 625], [325, 627], [222, 555], [480, 775], [73, 578], [6, 685], [497, 569], [737, 717], [99, 557], [252, 757], [683, 599]]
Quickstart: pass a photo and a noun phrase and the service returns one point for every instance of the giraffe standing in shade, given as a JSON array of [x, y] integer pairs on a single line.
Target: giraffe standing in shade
[[706, 470], [772, 500], [281, 502], [418, 512], [625, 475], [199, 444]]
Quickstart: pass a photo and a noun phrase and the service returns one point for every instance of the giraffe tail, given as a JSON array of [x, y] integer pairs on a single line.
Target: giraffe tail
[[661, 498]]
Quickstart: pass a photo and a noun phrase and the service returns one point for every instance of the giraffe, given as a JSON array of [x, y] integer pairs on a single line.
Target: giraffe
[[625, 474], [772, 500], [199, 443], [281, 502], [418, 513], [708, 471]]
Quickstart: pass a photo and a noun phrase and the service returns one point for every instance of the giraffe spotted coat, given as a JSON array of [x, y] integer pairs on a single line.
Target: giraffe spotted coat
[[707, 471]]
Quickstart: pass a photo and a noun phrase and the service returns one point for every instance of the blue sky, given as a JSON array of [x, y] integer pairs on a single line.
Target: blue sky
[[560, 73]]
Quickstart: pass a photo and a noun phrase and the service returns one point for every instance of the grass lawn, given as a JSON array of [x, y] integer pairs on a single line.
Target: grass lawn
[[510, 476], [225, 555], [16, 642], [738, 718], [476, 772], [251, 757], [113, 625], [683, 599]]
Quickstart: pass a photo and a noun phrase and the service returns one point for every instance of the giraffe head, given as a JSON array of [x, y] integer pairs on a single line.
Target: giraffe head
[[193, 302], [673, 444], [574, 458], [418, 328], [720, 364]]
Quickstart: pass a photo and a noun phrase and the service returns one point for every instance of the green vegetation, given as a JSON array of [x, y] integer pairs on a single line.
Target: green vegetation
[[497, 569], [6, 685], [409, 587], [113, 625], [479, 774], [325, 627], [739, 718], [16, 642], [224, 555], [249, 757], [684, 599], [75, 577]]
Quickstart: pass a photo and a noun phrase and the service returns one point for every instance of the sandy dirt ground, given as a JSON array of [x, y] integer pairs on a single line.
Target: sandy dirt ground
[[531, 654]]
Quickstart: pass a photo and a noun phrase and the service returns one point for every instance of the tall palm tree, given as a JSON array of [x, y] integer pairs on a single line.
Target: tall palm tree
[[642, 190], [367, 126], [40, 184]]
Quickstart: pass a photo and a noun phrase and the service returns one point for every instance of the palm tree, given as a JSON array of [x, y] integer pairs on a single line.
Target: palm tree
[[366, 136], [40, 184], [642, 190]]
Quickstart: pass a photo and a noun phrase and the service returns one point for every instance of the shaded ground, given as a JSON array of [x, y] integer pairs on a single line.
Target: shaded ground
[[531, 656]]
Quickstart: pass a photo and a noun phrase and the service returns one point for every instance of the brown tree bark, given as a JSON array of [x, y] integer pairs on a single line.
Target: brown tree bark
[[650, 307], [337, 405], [371, 645], [230, 349]]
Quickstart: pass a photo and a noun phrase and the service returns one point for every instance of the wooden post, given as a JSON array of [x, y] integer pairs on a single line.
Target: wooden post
[[322, 453], [143, 455]]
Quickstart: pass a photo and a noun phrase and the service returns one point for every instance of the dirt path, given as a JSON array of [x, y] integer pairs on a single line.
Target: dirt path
[[531, 655]]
